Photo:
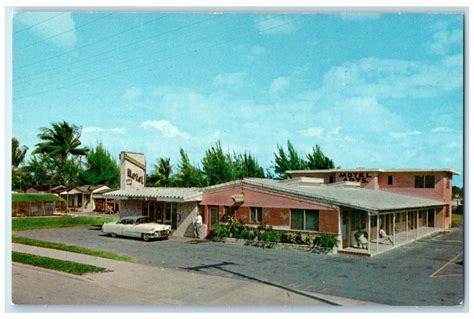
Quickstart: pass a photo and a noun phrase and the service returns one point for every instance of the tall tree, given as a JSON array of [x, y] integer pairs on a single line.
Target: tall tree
[[101, 168], [61, 142], [39, 170], [245, 165], [162, 173], [18, 153], [189, 175], [217, 166], [18, 156], [317, 159], [287, 161]]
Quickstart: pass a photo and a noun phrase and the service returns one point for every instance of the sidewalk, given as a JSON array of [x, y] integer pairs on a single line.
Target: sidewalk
[[137, 284]]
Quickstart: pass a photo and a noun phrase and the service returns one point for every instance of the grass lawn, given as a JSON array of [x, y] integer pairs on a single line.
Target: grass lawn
[[55, 264], [457, 218], [71, 248], [25, 223]]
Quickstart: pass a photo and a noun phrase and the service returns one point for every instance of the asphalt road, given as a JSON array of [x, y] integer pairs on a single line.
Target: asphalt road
[[425, 273]]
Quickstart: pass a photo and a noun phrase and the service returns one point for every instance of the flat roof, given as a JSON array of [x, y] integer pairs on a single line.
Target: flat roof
[[381, 170]]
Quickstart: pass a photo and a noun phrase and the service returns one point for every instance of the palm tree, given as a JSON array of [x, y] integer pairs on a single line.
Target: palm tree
[[18, 153], [18, 156], [59, 142], [162, 172]]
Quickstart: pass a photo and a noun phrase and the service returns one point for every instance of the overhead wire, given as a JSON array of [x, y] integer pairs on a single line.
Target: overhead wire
[[64, 32], [39, 23], [88, 44], [103, 53], [88, 80]]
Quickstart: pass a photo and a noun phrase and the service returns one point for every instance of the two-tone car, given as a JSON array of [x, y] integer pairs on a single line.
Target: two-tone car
[[138, 227]]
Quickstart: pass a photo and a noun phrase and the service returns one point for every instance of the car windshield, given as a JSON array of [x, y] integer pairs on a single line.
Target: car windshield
[[142, 220]]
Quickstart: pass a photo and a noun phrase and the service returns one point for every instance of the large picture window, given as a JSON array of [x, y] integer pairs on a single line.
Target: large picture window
[[256, 214], [425, 181], [305, 219]]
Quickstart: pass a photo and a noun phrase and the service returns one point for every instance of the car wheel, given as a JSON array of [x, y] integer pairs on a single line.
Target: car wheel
[[146, 237], [113, 235]]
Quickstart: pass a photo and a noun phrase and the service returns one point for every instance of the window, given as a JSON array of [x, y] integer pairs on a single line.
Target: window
[[305, 219], [390, 180], [358, 219], [214, 215], [256, 214], [425, 181], [331, 179], [129, 172]]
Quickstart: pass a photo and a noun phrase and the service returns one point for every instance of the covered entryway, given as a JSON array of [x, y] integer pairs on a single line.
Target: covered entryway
[[362, 234]]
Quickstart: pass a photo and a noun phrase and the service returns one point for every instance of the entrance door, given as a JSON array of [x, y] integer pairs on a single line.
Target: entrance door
[[431, 214], [168, 210], [345, 230], [214, 216]]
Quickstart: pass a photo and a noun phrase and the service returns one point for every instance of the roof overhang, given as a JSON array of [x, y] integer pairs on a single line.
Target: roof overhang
[[375, 170]]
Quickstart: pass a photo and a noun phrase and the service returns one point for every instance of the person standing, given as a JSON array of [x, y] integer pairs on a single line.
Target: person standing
[[197, 224]]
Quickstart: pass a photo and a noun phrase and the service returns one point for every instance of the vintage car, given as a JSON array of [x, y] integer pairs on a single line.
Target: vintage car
[[136, 226]]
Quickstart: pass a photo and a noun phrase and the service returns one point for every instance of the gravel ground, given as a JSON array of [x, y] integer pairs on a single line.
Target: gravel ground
[[406, 276]]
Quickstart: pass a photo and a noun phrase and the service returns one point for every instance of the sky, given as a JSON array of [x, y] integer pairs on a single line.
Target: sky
[[372, 90]]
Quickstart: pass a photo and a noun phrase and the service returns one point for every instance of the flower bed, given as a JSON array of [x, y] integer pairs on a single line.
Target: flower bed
[[236, 232]]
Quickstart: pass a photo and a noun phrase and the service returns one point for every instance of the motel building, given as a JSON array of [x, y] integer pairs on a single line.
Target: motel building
[[408, 203]]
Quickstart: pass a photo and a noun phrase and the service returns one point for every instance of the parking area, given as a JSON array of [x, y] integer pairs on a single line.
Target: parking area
[[426, 272]]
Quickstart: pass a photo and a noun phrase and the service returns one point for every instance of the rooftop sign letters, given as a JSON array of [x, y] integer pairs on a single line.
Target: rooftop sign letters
[[355, 177]]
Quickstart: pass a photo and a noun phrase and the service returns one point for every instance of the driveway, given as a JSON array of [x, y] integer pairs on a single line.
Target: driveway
[[426, 272]]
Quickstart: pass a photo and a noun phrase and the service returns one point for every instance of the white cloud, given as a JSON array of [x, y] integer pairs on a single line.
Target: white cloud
[[444, 41], [442, 129], [92, 129], [358, 16], [132, 93], [50, 30], [312, 132], [279, 84], [165, 127], [118, 130], [230, 79], [276, 24], [386, 78], [405, 134]]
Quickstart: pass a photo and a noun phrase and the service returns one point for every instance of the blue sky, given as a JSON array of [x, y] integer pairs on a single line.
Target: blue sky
[[373, 90]]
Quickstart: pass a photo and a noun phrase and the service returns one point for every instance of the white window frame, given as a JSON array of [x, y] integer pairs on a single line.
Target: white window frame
[[256, 214]]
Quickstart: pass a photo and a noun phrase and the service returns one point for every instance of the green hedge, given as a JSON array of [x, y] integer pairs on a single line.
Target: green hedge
[[36, 198]]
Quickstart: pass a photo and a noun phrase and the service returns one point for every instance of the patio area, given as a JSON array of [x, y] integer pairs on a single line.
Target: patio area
[[400, 239]]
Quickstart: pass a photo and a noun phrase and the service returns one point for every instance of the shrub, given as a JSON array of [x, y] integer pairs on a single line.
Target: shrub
[[220, 231], [246, 233], [287, 238], [326, 241], [236, 227]]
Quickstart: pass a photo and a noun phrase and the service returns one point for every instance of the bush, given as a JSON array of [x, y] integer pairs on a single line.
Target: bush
[[326, 241], [220, 231], [287, 238], [236, 227], [246, 233]]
